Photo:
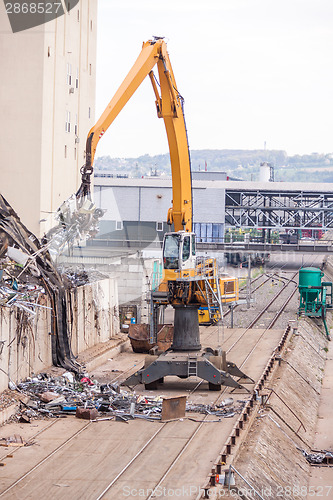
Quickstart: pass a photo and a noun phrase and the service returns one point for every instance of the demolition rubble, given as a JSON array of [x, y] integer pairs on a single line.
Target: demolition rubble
[[28, 272], [44, 396]]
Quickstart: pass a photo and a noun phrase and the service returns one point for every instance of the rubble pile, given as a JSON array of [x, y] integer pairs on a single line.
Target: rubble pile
[[28, 271], [54, 397], [20, 283], [79, 277], [23, 296], [319, 457]]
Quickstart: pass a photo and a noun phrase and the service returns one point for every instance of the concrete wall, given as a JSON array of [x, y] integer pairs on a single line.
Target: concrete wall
[[27, 344], [132, 274], [21, 86], [134, 277], [35, 96], [95, 319], [131, 230]]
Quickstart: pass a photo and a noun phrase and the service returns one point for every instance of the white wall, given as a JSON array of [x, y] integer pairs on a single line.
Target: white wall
[[151, 203], [27, 345], [34, 97]]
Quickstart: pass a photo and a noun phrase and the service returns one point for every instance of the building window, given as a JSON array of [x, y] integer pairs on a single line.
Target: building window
[[49, 52], [209, 232], [119, 225], [159, 226], [78, 15], [68, 121], [89, 112], [74, 153], [89, 69], [69, 74], [76, 128], [91, 25], [77, 78], [65, 151]]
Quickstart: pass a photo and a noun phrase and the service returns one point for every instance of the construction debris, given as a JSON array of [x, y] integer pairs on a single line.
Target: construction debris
[[77, 221], [28, 272], [15, 440], [74, 278], [22, 296], [173, 407], [83, 396], [319, 457]]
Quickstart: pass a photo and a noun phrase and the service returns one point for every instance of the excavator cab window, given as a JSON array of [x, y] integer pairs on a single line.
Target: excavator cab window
[[186, 248], [171, 251], [193, 244]]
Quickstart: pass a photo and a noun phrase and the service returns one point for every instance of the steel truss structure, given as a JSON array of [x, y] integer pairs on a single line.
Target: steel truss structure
[[279, 209]]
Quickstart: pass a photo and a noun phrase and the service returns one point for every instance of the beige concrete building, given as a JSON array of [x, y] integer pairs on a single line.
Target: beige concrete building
[[47, 103]]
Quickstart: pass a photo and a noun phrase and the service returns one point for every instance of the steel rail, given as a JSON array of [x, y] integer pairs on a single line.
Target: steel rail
[[188, 442], [156, 433], [30, 439], [258, 387], [45, 459]]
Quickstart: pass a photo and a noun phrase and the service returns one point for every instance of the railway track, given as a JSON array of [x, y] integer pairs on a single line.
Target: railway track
[[146, 452], [217, 400], [226, 313], [143, 452], [261, 313]]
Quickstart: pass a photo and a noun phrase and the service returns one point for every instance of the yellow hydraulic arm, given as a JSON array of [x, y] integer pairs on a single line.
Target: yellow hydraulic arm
[[169, 104]]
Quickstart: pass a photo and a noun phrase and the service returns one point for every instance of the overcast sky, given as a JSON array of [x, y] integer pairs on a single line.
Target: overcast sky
[[250, 71]]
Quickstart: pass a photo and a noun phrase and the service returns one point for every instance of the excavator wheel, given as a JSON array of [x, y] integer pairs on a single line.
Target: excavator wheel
[[152, 386], [214, 387]]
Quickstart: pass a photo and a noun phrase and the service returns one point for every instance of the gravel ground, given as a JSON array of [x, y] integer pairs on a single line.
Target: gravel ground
[[279, 273]]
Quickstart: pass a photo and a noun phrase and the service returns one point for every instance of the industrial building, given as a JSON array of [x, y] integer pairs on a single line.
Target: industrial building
[[47, 95], [153, 341], [136, 209]]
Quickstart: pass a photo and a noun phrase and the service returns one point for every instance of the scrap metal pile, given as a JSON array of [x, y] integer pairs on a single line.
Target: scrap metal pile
[[78, 220], [23, 296], [74, 278], [47, 396], [318, 457], [27, 270]]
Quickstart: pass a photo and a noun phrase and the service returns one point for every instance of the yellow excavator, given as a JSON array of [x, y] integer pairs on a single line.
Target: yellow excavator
[[189, 283]]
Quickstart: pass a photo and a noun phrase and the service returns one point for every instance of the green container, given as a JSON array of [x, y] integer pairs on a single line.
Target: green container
[[307, 277]]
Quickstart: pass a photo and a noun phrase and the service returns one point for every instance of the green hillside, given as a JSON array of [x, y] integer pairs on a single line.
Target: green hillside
[[242, 164]]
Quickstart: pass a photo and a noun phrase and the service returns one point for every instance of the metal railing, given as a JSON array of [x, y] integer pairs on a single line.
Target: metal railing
[[232, 468], [203, 241]]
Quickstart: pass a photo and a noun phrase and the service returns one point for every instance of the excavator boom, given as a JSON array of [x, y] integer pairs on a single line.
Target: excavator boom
[[169, 104], [182, 286]]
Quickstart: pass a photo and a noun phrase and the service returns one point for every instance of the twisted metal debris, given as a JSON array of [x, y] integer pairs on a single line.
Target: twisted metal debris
[[27, 268], [58, 396], [13, 232]]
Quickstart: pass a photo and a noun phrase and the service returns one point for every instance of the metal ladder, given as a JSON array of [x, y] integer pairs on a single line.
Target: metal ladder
[[213, 294], [192, 366]]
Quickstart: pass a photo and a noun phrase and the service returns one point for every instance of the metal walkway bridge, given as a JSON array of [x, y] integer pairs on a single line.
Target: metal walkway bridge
[[273, 205], [324, 247]]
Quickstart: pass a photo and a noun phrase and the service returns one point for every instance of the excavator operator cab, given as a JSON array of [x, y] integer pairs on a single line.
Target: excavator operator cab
[[179, 251]]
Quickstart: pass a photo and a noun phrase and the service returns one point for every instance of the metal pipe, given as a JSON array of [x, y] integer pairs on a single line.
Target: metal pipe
[[242, 477]]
